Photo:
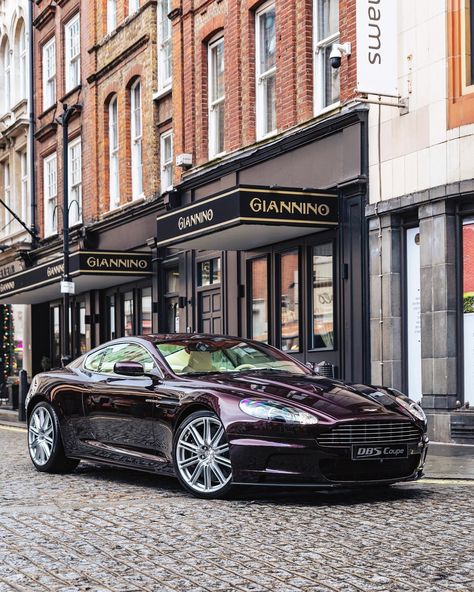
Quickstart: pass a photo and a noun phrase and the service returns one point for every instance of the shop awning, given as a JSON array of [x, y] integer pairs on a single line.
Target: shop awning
[[247, 217], [90, 270]]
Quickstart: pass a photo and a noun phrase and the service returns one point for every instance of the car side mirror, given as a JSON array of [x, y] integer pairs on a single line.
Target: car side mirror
[[129, 368]]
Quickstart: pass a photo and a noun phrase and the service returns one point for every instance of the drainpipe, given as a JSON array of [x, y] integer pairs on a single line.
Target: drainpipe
[[31, 128]]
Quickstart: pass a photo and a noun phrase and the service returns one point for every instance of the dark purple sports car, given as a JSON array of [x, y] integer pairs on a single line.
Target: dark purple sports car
[[219, 411]]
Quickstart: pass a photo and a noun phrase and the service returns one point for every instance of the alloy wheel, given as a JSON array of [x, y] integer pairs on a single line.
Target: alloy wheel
[[202, 455], [41, 435]]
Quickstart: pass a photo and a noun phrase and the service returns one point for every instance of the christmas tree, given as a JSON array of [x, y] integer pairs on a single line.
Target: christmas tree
[[6, 342]]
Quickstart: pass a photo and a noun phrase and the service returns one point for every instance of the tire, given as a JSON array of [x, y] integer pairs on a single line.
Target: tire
[[201, 456], [44, 441]]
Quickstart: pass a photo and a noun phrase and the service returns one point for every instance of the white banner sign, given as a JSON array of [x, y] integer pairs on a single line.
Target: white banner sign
[[469, 358], [377, 56], [413, 313]]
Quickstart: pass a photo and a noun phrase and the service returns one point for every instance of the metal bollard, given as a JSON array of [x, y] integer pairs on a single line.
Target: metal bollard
[[22, 395]]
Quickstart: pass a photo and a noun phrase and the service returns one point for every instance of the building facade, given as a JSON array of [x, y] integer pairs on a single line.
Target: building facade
[[15, 239], [264, 233], [421, 219]]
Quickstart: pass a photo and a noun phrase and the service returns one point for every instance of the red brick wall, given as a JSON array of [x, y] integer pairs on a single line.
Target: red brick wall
[[105, 70], [199, 20]]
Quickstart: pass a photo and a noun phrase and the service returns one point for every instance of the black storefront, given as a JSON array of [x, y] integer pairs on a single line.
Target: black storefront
[[271, 243]]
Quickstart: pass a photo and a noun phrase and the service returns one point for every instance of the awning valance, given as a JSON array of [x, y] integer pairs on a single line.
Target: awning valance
[[247, 217], [89, 270]]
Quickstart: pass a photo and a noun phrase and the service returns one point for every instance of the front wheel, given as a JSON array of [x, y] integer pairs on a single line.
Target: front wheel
[[201, 456], [44, 441]]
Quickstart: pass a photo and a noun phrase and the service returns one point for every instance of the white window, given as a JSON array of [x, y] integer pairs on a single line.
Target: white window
[[133, 6], [72, 49], [75, 182], [166, 157], [136, 137], [7, 76], [21, 57], [7, 192], [49, 73], [111, 15], [50, 194], [265, 42], [216, 97], [24, 185], [164, 45], [114, 185], [326, 33]]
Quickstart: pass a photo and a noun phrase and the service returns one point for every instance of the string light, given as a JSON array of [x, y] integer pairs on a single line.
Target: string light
[[7, 342]]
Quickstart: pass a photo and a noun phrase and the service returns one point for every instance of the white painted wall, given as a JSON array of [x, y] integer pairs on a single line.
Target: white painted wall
[[417, 150]]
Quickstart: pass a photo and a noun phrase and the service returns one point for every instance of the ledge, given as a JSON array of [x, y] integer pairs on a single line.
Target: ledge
[[44, 17], [118, 59]]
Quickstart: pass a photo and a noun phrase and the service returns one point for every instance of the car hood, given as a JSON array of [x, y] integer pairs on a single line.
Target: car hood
[[332, 398]]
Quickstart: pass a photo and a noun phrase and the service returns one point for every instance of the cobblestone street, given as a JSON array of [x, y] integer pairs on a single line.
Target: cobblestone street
[[115, 530]]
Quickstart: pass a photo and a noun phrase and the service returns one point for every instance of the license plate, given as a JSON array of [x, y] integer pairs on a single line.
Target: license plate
[[380, 451]]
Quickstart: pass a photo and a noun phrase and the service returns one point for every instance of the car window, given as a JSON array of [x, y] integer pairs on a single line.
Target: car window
[[126, 352], [93, 361]]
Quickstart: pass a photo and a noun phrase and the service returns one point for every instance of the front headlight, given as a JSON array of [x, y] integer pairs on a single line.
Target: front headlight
[[273, 411], [413, 408]]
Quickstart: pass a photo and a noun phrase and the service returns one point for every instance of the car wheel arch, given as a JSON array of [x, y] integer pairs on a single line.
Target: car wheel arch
[[192, 408], [37, 398]]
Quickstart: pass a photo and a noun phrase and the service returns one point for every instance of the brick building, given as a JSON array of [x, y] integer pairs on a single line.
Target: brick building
[[265, 128], [217, 175], [102, 58]]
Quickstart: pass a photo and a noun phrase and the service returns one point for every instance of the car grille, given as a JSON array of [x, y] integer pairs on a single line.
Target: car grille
[[370, 433], [368, 470]]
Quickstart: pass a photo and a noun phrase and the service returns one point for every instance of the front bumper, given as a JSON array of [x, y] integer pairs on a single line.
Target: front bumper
[[290, 462]]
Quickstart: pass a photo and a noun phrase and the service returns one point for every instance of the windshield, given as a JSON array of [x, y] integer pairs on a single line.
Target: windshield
[[207, 356]]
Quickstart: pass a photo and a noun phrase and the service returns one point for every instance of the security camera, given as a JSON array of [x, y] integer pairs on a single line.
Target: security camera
[[337, 51]]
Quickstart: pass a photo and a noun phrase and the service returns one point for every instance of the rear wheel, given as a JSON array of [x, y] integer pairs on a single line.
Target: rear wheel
[[44, 441], [201, 456]]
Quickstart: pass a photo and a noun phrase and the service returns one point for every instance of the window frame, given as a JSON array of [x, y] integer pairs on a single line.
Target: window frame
[[111, 19], [133, 6], [49, 75], [319, 65], [22, 61], [164, 45], [23, 159], [136, 140], [165, 164], [50, 198], [72, 61], [74, 185], [8, 196], [114, 160], [262, 77], [7, 75], [214, 103]]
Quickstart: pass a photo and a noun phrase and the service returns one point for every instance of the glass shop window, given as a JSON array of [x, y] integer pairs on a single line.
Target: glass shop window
[[209, 272], [468, 308], [56, 337], [128, 314], [146, 312], [323, 297], [259, 300], [171, 300], [290, 301], [82, 328], [112, 331]]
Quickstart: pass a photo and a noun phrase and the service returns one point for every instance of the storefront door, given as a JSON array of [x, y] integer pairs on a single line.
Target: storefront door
[[210, 311]]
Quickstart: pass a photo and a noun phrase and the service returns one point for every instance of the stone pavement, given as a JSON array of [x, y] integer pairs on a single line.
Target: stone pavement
[[104, 529]]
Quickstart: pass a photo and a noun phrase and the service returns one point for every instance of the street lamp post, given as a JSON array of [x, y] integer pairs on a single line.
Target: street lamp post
[[67, 287]]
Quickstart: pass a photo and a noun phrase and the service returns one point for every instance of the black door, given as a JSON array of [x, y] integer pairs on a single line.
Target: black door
[[210, 311]]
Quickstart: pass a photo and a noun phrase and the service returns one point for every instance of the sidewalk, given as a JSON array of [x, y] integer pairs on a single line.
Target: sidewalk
[[444, 461]]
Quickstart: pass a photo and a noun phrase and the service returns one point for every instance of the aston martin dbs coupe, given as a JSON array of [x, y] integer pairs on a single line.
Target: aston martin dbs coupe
[[220, 411]]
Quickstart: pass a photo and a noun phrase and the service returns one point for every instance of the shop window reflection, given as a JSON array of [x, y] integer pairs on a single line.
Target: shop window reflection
[[146, 310], [111, 317], [82, 328], [289, 301], [209, 272], [259, 310], [323, 297], [171, 300], [468, 308], [128, 313], [56, 341]]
